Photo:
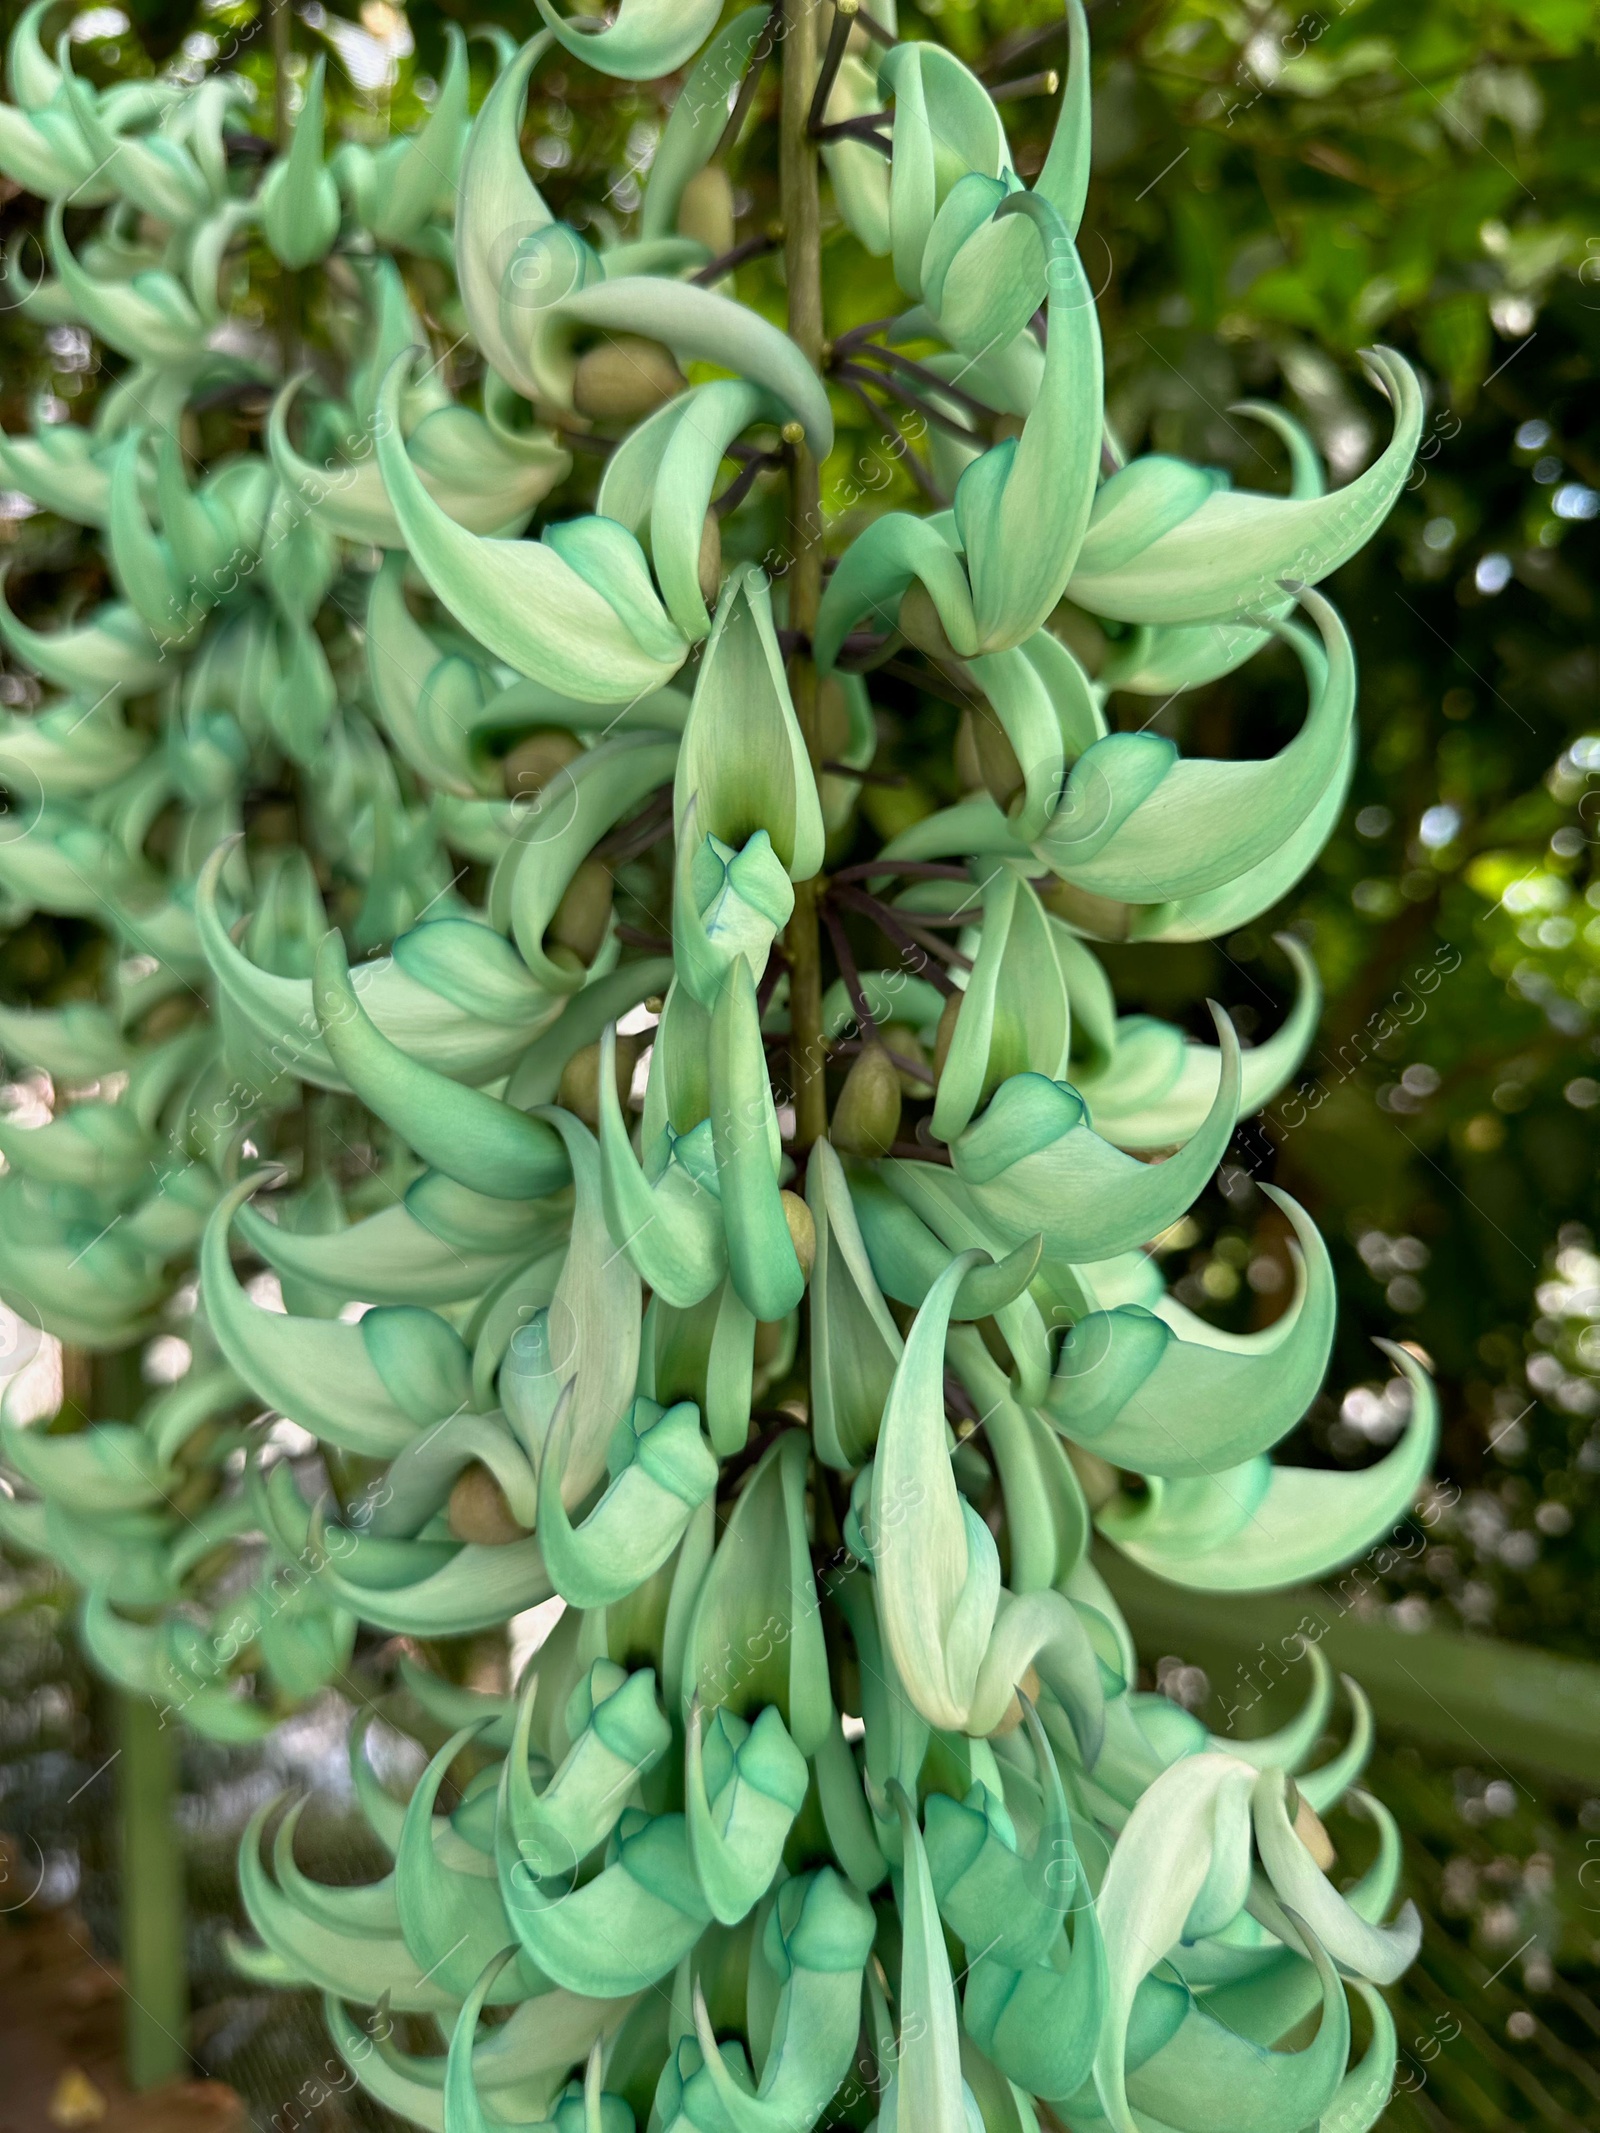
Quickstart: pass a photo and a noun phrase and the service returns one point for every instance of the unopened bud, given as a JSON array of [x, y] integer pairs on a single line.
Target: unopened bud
[[866, 1119], [997, 760], [529, 767], [478, 1510], [624, 378], [579, 1092], [705, 210], [920, 625], [802, 1230], [580, 921], [902, 1040]]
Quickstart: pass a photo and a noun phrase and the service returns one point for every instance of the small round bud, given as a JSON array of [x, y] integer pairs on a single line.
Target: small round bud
[[793, 433], [705, 210], [866, 1119], [919, 624], [624, 378], [802, 1230], [583, 916], [579, 1092], [902, 1040], [1002, 773], [529, 767], [478, 1510]]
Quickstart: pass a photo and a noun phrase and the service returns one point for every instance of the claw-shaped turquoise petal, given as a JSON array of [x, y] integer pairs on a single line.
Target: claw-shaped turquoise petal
[[576, 611], [744, 1135], [1264, 1526], [1224, 555], [743, 1786], [1032, 1163], [644, 39], [660, 1470], [474, 1138], [1180, 1399]]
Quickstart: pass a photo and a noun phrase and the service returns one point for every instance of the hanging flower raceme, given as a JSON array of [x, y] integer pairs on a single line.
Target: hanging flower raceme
[[464, 791], [219, 671]]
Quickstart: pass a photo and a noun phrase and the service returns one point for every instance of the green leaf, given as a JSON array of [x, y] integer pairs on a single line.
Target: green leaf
[[1033, 1164]]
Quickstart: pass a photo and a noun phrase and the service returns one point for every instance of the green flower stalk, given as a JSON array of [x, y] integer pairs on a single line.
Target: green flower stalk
[[830, 1797]]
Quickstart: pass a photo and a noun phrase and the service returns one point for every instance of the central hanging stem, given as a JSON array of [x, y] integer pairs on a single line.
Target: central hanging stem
[[802, 250]]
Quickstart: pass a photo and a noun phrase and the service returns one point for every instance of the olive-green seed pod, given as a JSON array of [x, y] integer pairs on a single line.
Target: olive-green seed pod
[[625, 377], [579, 1091], [705, 210], [802, 1230], [478, 1510], [529, 767], [866, 1119], [919, 624], [581, 919], [903, 1043]]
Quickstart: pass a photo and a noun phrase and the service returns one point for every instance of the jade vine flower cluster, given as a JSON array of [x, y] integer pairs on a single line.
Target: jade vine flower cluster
[[830, 1797]]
